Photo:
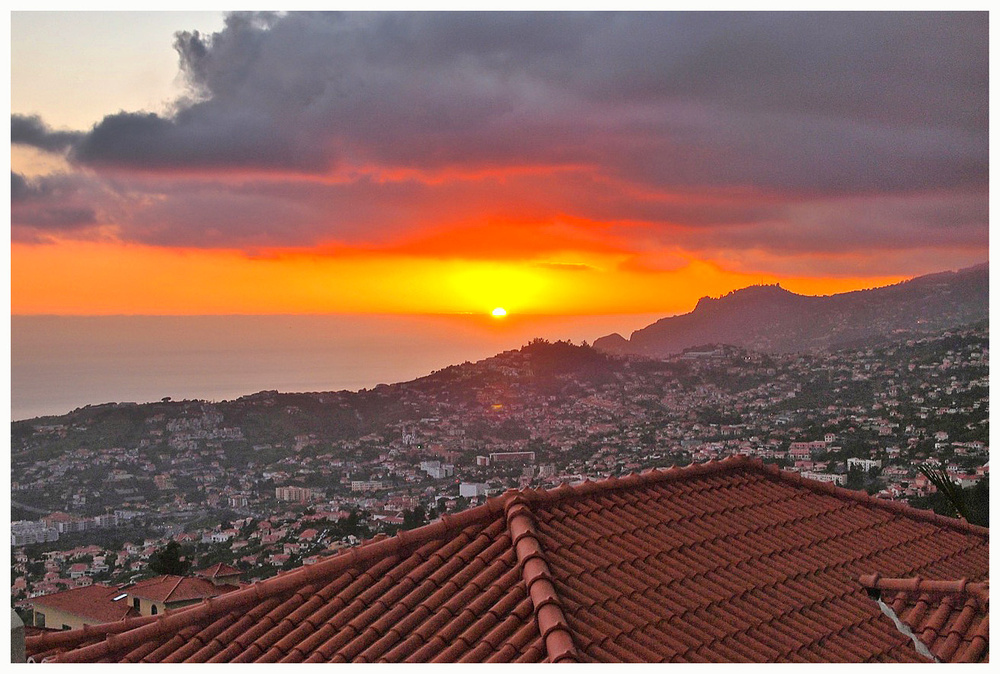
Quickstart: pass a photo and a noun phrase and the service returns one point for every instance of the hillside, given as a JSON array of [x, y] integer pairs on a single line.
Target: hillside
[[774, 320]]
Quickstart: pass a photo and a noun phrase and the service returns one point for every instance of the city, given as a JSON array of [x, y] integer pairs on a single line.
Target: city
[[343, 467]]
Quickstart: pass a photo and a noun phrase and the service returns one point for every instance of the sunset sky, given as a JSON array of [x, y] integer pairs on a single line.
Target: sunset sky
[[550, 163]]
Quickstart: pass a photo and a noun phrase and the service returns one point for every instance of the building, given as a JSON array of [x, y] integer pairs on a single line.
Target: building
[[156, 595], [81, 606], [368, 485], [220, 574], [512, 457], [472, 489], [437, 469], [728, 561], [293, 494], [863, 464], [824, 477], [28, 533]]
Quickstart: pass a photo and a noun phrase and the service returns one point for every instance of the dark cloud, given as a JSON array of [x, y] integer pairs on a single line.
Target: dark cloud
[[51, 205], [58, 218], [31, 130], [20, 188], [366, 127], [309, 92]]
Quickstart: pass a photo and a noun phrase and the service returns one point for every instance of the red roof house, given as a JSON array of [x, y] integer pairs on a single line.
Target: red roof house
[[156, 595], [91, 605], [730, 561], [220, 574]]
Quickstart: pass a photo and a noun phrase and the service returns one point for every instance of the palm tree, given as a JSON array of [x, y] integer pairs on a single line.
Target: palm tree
[[948, 488]]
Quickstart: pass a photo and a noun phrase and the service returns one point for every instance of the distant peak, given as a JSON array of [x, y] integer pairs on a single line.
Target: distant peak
[[756, 291]]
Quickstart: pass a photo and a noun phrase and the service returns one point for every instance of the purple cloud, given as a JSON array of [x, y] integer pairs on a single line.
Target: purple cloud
[[713, 129]]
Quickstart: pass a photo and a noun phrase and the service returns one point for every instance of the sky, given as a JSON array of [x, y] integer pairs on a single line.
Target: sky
[[449, 162]]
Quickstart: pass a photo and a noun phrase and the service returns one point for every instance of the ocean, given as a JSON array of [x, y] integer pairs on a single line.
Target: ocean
[[59, 363]]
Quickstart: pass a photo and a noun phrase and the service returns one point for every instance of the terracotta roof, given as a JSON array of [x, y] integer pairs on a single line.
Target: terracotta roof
[[729, 561], [219, 570], [168, 589], [92, 602], [950, 619]]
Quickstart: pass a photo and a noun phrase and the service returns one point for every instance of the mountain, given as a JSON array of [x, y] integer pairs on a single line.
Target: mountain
[[769, 318]]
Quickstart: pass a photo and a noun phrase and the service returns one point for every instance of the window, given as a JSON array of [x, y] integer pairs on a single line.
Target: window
[[135, 603], [152, 609], [39, 619]]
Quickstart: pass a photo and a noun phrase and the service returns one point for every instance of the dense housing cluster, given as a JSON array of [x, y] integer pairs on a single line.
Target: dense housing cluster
[[271, 481]]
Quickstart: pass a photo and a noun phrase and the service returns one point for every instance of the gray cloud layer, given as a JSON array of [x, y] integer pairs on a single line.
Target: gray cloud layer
[[31, 130], [803, 105]]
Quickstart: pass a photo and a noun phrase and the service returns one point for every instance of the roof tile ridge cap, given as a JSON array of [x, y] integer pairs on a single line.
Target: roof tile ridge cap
[[894, 506], [551, 623], [446, 523], [89, 653], [978, 590], [164, 623], [469, 516], [69, 636], [648, 477], [363, 552], [180, 579]]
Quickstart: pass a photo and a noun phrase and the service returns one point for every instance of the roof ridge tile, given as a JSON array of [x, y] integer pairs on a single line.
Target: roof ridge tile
[[549, 616], [977, 590]]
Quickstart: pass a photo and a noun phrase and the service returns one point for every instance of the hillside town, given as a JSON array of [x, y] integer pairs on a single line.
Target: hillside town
[[272, 481]]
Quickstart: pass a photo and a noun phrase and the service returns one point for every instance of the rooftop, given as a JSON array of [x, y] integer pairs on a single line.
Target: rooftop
[[729, 561], [169, 589], [93, 602]]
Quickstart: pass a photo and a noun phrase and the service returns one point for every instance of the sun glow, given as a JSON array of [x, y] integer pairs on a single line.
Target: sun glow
[[499, 312]]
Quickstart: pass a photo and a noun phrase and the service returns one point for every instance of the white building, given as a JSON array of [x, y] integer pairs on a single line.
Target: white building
[[436, 469], [864, 464], [472, 489]]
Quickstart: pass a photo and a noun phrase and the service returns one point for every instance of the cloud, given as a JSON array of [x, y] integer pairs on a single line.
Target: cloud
[[50, 206], [32, 131], [690, 98], [420, 131]]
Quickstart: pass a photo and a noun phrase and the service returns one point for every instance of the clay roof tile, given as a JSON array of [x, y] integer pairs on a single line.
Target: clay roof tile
[[727, 560]]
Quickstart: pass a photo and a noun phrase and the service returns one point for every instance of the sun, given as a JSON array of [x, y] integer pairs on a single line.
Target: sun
[[499, 312]]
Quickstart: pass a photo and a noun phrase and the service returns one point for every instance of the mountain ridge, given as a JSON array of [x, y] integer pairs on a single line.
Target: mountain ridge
[[769, 318]]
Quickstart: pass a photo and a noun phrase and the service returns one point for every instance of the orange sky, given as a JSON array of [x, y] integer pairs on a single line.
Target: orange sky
[[566, 163], [113, 278]]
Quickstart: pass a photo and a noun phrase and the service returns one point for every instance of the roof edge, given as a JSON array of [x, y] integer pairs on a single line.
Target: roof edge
[[896, 507], [740, 462], [979, 590], [289, 580]]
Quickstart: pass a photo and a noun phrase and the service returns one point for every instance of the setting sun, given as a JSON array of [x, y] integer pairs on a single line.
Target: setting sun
[[499, 312]]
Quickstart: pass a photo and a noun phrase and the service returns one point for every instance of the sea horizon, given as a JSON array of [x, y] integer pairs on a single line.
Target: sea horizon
[[60, 363]]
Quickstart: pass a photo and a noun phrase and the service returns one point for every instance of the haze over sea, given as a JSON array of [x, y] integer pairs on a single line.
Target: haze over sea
[[59, 363]]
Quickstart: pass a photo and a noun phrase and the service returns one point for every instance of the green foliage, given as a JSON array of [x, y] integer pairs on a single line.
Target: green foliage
[[972, 505], [169, 561], [414, 518], [979, 502]]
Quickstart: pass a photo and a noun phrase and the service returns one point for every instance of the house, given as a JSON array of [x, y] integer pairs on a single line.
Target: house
[[78, 570], [220, 574], [155, 595], [81, 606], [729, 561]]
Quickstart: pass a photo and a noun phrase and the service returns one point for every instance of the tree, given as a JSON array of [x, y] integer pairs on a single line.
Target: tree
[[414, 518], [972, 505], [169, 561]]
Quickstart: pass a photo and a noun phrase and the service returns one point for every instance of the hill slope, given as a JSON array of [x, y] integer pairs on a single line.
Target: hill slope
[[772, 319]]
